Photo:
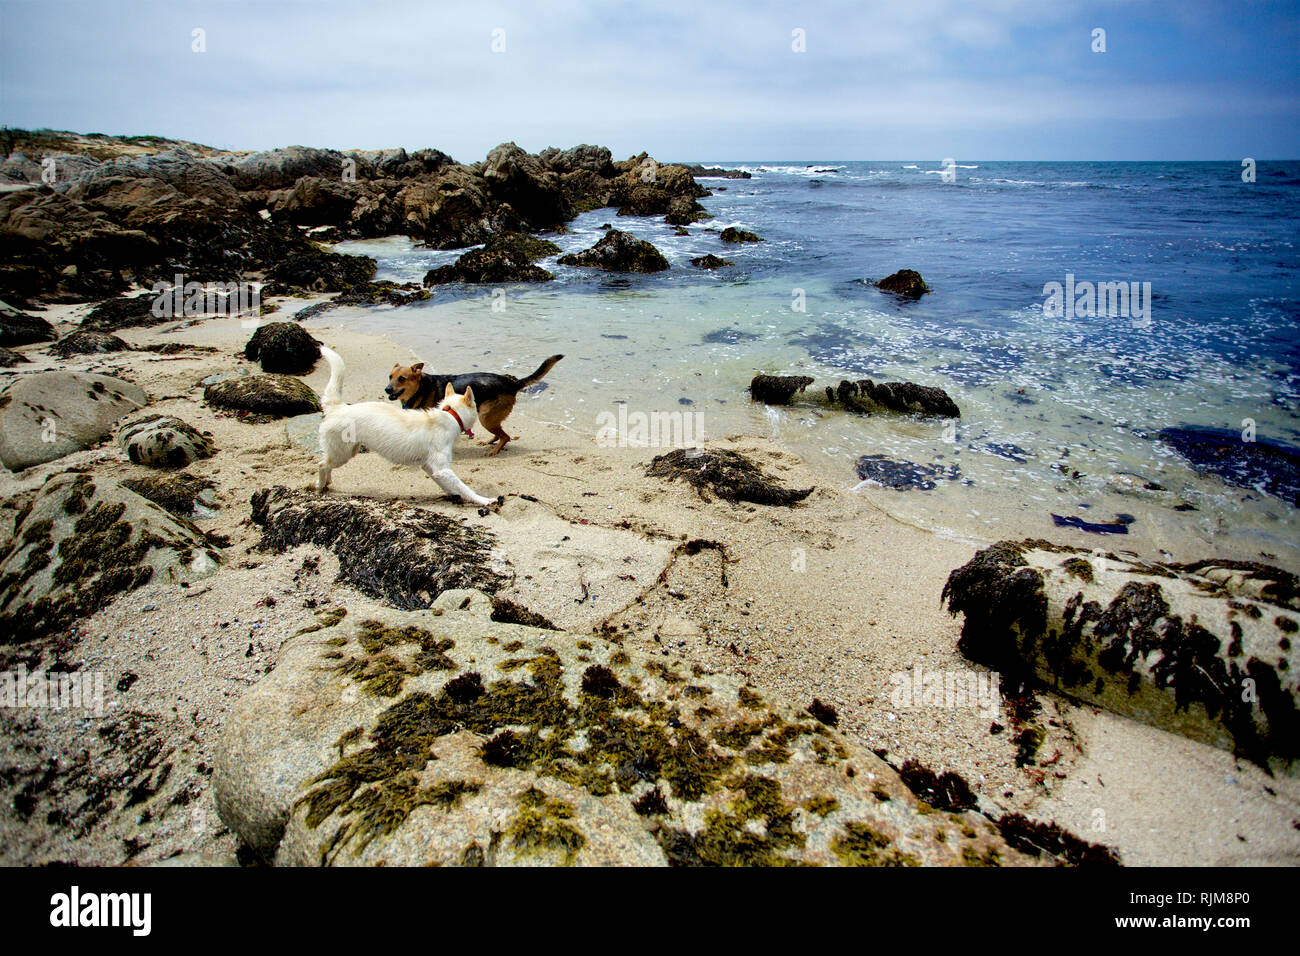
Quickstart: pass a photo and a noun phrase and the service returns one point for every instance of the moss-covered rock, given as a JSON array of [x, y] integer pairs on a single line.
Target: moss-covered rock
[[283, 347], [1206, 650], [184, 495], [163, 441], [80, 543], [264, 396], [444, 737], [317, 270], [619, 252]]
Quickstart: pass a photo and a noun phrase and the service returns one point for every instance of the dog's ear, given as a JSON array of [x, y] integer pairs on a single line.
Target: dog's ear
[[449, 392], [469, 395], [417, 367]]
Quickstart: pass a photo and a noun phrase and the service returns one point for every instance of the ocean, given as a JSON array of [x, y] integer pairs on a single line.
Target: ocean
[[1062, 408]]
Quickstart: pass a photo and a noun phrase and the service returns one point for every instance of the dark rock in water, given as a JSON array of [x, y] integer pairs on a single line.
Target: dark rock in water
[[619, 252], [867, 396], [396, 553], [1262, 465], [732, 234], [88, 342], [607, 335], [1118, 526], [19, 328], [728, 474], [1171, 645], [710, 261], [715, 172], [683, 210], [1004, 450], [905, 282], [283, 347], [176, 493], [318, 271], [274, 396], [9, 359], [777, 389], [729, 337], [507, 257], [903, 475]]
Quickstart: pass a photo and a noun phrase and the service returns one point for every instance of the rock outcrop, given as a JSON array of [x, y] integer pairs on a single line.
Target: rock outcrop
[[1206, 650], [442, 737], [80, 543], [46, 415]]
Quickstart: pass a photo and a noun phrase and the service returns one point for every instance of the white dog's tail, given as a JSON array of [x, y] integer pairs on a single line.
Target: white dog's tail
[[333, 394]]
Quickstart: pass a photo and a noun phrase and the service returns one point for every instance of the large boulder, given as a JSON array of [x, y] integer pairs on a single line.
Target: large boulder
[[46, 415], [507, 257], [263, 396], [443, 737], [446, 211], [80, 543], [281, 168], [1206, 650], [163, 441], [283, 347], [530, 188], [619, 252], [593, 159]]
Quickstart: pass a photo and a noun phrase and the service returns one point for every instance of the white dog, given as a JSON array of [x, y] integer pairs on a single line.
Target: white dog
[[403, 436]]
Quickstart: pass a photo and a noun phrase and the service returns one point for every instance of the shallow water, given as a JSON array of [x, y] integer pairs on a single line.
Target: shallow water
[[1059, 415]]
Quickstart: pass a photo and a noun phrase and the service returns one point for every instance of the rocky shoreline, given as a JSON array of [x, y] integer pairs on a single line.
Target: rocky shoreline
[[690, 660]]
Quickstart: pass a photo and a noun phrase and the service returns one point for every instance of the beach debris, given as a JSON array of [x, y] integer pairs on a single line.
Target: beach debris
[[727, 474], [1205, 649], [1260, 464], [46, 415], [81, 542], [446, 737], [617, 251], [162, 441], [904, 282], [903, 475], [283, 347]]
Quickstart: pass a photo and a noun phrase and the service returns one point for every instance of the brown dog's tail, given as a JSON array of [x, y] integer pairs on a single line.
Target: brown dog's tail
[[540, 373]]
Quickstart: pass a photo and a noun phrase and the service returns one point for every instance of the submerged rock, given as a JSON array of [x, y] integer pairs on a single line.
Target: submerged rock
[[444, 737], [904, 282], [162, 441], [80, 543], [619, 252], [903, 475], [777, 389], [729, 337], [46, 415], [1262, 465], [1206, 650], [283, 347], [727, 474], [274, 396], [88, 342], [402, 555]]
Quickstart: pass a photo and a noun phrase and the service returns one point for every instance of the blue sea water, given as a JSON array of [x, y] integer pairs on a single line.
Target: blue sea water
[[1059, 413]]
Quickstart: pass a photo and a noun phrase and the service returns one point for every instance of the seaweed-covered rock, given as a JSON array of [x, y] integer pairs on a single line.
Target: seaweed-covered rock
[[181, 494], [88, 342], [123, 312], [447, 737], [710, 261], [163, 441], [777, 389], [507, 257], [402, 555], [317, 270], [727, 474], [1260, 464], [46, 415], [80, 543], [867, 396], [735, 235], [619, 252], [902, 475], [274, 396], [8, 358], [21, 328], [904, 282], [283, 347], [1206, 650]]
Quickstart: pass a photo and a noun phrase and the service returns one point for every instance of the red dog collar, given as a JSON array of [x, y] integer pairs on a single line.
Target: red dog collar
[[452, 412]]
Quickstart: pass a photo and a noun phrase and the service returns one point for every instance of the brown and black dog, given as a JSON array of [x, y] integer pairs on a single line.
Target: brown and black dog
[[494, 392]]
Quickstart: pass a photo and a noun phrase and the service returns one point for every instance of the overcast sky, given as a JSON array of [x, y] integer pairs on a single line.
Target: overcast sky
[[904, 79]]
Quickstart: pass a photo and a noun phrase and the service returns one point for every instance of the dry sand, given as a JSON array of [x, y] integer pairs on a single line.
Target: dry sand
[[826, 600]]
